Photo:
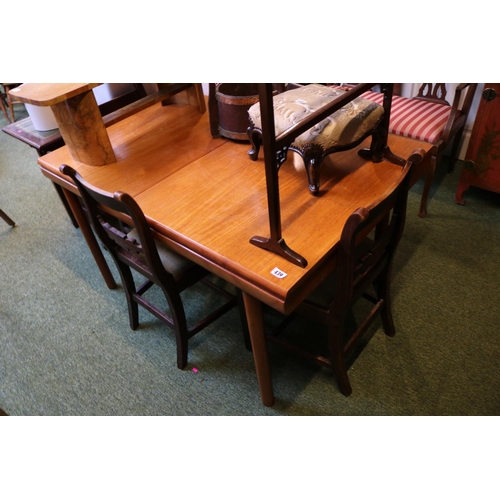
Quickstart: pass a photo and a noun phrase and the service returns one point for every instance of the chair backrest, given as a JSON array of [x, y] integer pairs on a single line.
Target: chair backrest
[[370, 238], [433, 92], [141, 255]]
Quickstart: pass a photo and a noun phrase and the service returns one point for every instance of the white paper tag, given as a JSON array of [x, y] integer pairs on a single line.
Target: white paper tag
[[278, 273]]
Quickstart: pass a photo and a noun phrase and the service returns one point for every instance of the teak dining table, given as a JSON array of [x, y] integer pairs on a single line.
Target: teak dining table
[[204, 198]]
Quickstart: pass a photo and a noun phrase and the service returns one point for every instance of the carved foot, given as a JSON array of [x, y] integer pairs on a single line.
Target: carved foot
[[279, 247], [312, 156], [459, 194], [378, 156], [255, 138]]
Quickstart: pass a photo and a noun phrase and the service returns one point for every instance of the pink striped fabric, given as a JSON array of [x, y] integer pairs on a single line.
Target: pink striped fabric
[[414, 118]]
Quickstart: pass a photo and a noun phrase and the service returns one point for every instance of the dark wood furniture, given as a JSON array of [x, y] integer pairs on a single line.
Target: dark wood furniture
[[6, 218], [41, 141], [204, 199], [364, 259], [482, 160], [228, 105], [134, 247], [429, 117]]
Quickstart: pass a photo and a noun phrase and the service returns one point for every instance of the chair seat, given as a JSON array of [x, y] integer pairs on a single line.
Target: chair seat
[[172, 261], [414, 118], [340, 130]]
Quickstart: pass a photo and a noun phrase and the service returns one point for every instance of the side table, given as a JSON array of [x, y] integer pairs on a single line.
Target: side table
[[43, 142]]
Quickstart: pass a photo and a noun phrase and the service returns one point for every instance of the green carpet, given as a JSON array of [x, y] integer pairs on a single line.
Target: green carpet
[[66, 347]]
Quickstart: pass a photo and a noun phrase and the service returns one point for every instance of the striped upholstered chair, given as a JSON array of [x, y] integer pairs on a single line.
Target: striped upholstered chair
[[429, 117]]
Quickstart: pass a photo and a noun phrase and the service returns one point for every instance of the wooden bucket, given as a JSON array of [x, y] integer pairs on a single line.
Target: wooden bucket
[[233, 102]]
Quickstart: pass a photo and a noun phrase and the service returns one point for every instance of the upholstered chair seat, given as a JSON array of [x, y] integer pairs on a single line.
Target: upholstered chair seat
[[414, 118], [428, 117]]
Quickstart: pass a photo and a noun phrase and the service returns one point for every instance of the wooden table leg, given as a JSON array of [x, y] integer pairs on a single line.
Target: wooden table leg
[[253, 308], [65, 203], [88, 234]]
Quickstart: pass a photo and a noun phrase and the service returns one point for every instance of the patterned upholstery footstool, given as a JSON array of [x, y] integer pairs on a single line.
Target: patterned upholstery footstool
[[342, 130]]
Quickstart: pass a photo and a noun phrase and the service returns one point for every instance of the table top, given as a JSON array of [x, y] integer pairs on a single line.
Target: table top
[[25, 131], [206, 198], [47, 94]]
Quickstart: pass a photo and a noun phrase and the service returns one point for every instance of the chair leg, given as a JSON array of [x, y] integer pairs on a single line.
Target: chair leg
[[454, 149], [182, 340], [4, 110], [179, 325], [427, 186], [337, 358], [182, 351], [11, 107], [382, 286], [7, 219], [130, 290]]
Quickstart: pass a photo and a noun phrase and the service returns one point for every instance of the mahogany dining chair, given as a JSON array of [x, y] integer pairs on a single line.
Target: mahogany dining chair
[[365, 254], [132, 246]]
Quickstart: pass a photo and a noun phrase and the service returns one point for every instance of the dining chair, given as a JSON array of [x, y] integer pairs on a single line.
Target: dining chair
[[11, 101], [3, 103], [133, 247], [429, 117], [364, 258], [6, 218]]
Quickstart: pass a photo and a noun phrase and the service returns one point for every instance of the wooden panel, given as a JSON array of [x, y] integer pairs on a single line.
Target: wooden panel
[[482, 160]]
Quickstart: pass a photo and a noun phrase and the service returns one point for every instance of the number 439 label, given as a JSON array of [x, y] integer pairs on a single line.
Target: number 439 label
[[278, 273]]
